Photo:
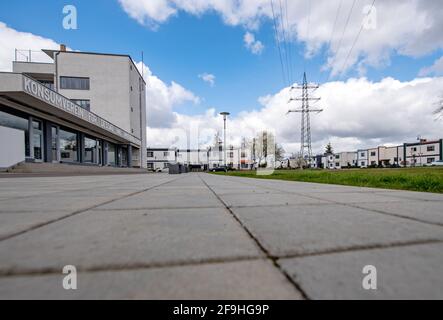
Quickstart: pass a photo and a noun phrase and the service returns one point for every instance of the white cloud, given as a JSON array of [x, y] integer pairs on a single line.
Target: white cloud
[[207, 77], [11, 39], [435, 69], [255, 46], [411, 28], [161, 99], [357, 113]]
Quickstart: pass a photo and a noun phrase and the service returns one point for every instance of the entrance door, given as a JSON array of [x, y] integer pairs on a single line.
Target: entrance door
[[37, 140]]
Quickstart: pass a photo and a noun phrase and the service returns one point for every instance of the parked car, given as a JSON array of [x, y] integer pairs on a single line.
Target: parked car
[[437, 163], [219, 169]]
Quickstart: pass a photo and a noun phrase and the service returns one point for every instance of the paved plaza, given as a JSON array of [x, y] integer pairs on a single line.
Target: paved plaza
[[201, 236]]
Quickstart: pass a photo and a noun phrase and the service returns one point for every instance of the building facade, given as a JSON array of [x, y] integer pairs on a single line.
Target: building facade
[[81, 108], [161, 158], [422, 153]]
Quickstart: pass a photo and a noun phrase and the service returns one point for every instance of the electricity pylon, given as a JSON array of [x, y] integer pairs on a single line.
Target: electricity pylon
[[305, 110]]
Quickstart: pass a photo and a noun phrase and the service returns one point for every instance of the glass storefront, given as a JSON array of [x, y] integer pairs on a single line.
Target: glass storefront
[[37, 139], [68, 146], [91, 151], [20, 123], [62, 144], [112, 155]]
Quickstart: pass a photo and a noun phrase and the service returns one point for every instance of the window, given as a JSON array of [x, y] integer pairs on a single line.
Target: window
[[68, 146], [373, 153], [231, 154], [414, 149], [112, 155], [47, 84], [431, 148], [337, 164], [362, 154], [85, 104], [166, 154], [243, 154], [363, 164], [430, 160], [150, 154], [150, 166], [91, 147], [166, 165], [19, 123], [337, 156], [74, 83]]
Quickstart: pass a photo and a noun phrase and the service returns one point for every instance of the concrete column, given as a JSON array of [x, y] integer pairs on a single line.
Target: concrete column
[[81, 147], [105, 153], [129, 156], [47, 136]]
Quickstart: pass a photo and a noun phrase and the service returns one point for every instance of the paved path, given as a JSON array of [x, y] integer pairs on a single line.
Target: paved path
[[200, 236]]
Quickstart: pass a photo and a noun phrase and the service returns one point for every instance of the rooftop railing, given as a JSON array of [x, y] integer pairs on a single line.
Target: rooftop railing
[[31, 56]]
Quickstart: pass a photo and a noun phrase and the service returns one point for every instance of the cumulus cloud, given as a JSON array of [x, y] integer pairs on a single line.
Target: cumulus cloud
[[435, 69], [357, 113], [208, 78], [162, 98], [410, 28], [11, 39], [255, 46]]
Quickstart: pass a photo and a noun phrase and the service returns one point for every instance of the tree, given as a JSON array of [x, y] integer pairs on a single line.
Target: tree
[[439, 110], [329, 149], [279, 152]]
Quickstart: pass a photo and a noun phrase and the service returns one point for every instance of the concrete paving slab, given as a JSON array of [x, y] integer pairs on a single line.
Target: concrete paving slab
[[159, 199], [421, 196], [51, 204], [357, 197], [255, 280], [13, 223], [151, 237], [300, 230], [267, 199], [413, 272], [430, 211]]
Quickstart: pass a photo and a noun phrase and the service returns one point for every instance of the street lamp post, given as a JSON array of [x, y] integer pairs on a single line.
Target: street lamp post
[[225, 116]]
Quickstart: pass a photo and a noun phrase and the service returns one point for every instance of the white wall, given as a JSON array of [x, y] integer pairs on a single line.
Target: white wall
[[12, 146]]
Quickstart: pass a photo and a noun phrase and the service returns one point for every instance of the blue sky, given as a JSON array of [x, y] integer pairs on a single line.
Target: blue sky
[[184, 45]]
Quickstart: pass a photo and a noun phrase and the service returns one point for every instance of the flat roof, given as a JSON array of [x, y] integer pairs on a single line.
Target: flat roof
[[50, 53]]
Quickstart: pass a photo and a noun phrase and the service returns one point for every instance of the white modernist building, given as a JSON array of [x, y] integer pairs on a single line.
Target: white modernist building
[[81, 107]]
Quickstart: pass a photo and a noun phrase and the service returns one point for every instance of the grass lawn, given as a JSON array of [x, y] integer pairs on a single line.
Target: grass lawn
[[414, 179]]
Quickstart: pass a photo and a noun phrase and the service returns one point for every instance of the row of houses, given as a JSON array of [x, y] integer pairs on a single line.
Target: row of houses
[[421, 153], [159, 159]]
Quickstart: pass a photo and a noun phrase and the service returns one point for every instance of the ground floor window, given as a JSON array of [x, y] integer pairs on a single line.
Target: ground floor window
[[112, 155], [150, 166], [430, 160], [37, 139], [16, 122], [68, 146], [91, 154]]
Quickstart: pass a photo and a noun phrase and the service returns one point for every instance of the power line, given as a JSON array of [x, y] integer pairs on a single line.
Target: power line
[[308, 30], [342, 35], [277, 39], [356, 39], [283, 30], [289, 43], [333, 32]]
